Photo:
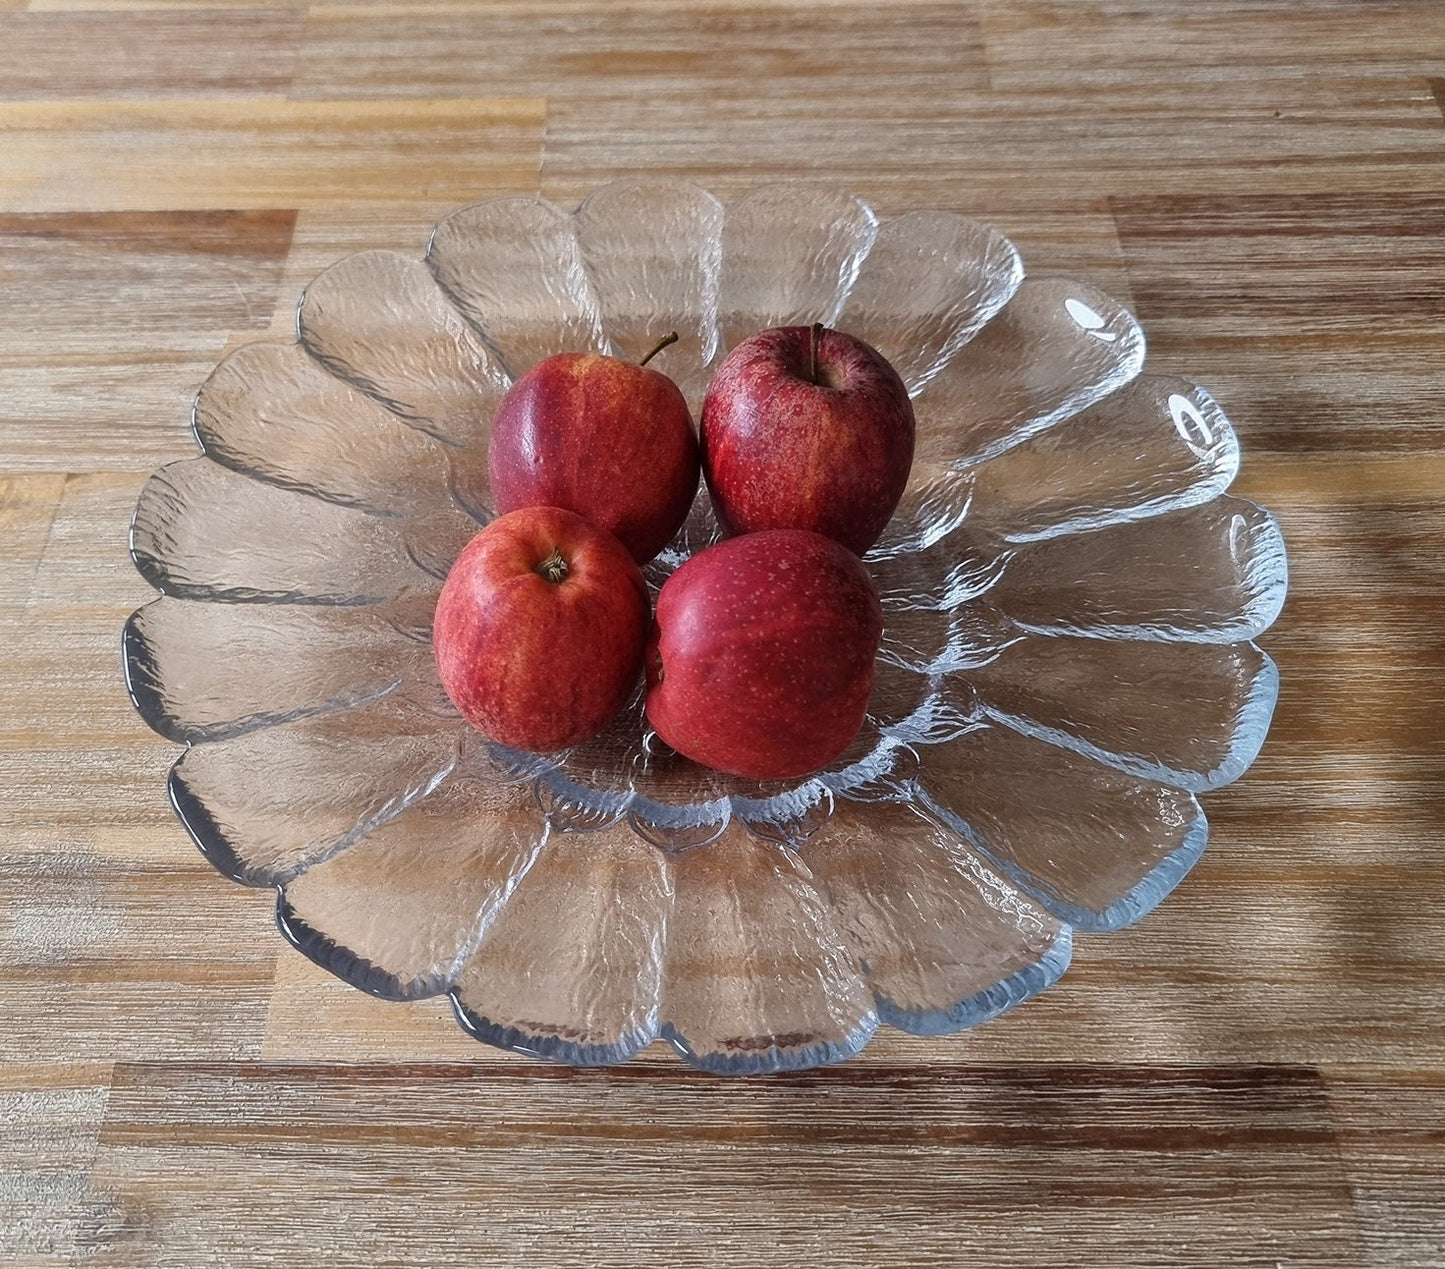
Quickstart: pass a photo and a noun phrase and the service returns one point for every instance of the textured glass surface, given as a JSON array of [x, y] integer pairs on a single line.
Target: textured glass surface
[[1069, 595]]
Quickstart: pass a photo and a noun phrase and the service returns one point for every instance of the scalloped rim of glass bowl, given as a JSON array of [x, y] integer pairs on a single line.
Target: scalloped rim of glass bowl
[[789, 816]]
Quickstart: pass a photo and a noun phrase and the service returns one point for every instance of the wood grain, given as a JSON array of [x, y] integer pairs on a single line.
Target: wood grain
[[52, 1114], [168, 54], [1391, 1142], [1003, 151], [1333, 285], [1254, 1075], [858, 1162], [641, 56], [87, 294], [27, 506], [126, 154]]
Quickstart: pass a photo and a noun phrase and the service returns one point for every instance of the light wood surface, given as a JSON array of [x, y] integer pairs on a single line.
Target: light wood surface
[[1253, 1076]]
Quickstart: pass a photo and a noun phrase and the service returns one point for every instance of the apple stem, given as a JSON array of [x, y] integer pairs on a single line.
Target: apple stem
[[661, 344], [554, 567], [813, 339]]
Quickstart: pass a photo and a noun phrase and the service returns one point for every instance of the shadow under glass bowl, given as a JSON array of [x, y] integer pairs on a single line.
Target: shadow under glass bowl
[[1070, 600]]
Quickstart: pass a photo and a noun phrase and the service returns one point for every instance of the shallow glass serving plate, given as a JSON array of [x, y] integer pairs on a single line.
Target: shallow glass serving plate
[[1070, 597]]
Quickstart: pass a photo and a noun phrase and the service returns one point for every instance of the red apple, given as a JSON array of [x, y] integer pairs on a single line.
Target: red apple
[[608, 439], [807, 429], [760, 660], [540, 629]]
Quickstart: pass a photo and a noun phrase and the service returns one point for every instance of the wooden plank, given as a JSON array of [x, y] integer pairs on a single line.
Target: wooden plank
[[871, 1165], [139, 6], [1016, 149], [1289, 308], [1392, 1144], [27, 506], [119, 939], [156, 54], [146, 283], [1327, 480], [72, 751], [81, 907], [588, 9], [659, 53], [104, 956], [315, 1017], [134, 1008], [1180, 986], [1221, 974], [1080, 242], [111, 402], [1100, 43], [52, 1114], [1324, 265], [112, 320], [134, 154]]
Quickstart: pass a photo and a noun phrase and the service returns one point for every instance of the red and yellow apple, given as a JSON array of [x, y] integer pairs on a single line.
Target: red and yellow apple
[[540, 629], [609, 439], [760, 661], [807, 429]]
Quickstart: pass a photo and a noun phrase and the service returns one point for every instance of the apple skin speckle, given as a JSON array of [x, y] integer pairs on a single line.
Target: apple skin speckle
[[607, 439], [780, 451], [538, 664], [760, 660]]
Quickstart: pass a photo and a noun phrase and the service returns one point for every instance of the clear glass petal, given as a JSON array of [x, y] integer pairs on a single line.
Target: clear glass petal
[[946, 942], [1054, 349], [608, 763], [202, 531], [379, 320], [790, 257], [756, 977], [790, 816], [434, 540], [930, 284], [653, 249], [273, 412], [934, 503], [918, 639], [265, 805], [1097, 847], [199, 671], [628, 771], [571, 967], [513, 266], [1214, 573], [959, 568], [935, 641], [680, 802], [1189, 714], [1155, 445], [898, 694], [876, 767], [399, 912]]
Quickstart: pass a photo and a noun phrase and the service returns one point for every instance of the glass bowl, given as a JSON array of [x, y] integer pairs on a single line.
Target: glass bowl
[[1070, 597]]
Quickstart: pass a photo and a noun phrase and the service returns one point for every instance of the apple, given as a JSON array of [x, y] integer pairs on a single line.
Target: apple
[[540, 629], [760, 660], [600, 436], [807, 429]]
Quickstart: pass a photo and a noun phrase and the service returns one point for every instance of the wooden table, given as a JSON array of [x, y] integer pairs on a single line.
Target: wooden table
[[1253, 1076]]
